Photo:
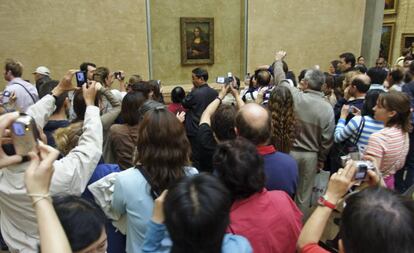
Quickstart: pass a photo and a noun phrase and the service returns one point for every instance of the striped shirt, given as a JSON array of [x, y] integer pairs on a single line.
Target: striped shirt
[[391, 145], [351, 130]]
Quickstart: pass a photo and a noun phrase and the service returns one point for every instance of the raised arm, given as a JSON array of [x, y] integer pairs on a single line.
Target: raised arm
[[73, 171], [212, 107], [278, 73], [109, 117], [45, 107], [37, 179], [338, 186]]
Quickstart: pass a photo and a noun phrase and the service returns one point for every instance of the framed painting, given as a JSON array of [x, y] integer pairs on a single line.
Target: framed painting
[[387, 39], [197, 41], [390, 6], [407, 41]]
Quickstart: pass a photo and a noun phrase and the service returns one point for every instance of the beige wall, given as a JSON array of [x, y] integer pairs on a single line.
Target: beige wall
[[165, 28], [311, 31], [62, 34], [404, 23]]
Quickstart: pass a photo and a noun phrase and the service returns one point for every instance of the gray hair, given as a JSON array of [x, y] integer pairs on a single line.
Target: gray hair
[[315, 79]]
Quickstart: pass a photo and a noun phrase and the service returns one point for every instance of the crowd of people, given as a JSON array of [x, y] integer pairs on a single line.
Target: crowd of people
[[118, 169]]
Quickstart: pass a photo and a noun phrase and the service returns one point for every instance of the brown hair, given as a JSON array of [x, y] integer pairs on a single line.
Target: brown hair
[[100, 74], [14, 66], [283, 118], [67, 138], [400, 103], [163, 148]]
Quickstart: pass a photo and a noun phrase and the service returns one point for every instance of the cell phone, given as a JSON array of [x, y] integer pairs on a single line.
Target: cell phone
[[24, 135], [80, 78]]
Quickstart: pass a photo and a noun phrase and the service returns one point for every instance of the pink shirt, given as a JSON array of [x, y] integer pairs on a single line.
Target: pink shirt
[[313, 248], [391, 145], [270, 220]]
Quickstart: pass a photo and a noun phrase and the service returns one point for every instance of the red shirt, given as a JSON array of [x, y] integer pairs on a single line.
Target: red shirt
[[176, 107], [270, 220], [313, 248]]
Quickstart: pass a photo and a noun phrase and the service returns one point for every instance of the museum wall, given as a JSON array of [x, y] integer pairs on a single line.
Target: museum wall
[[404, 23], [312, 32], [62, 34], [165, 32]]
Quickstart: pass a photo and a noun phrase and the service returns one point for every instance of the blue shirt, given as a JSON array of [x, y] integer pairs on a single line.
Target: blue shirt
[[156, 242], [131, 197], [350, 131], [281, 170]]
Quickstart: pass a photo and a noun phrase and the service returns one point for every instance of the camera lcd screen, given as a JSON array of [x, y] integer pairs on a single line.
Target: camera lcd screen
[[220, 79], [80, 78], [19, 129], [361, 173]]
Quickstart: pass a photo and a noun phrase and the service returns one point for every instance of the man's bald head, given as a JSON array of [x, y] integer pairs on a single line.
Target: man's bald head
[[253, 123], [361, 82]]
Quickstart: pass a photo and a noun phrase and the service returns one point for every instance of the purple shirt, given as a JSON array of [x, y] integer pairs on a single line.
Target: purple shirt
[[26, 96]]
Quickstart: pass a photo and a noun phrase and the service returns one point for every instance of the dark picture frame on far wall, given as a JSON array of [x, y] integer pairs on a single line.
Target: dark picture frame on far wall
[[390, 6], [197, 41], [407, 41], [387, 41]]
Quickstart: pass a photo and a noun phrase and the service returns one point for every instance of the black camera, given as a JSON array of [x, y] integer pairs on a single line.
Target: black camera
[[81, 78], [118, 75], [225, 80]]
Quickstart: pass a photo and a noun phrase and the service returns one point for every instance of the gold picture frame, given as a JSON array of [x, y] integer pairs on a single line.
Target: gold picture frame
[[197, 41], [390, 6], [387, 40], [407, 41]]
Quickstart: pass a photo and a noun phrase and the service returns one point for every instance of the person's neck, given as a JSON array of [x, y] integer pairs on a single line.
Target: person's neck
[[359, 95], [59, 116]]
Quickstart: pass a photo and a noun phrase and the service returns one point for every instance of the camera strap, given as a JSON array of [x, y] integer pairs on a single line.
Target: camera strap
[[30, 94], [360, 128]]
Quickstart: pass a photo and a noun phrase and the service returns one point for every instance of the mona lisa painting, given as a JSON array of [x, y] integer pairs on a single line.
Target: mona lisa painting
[[197, 41]]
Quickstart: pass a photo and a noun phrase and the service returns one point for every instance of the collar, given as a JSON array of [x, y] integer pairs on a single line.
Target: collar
[[314, 92], [265, 150], [250, 199], [15, 80]]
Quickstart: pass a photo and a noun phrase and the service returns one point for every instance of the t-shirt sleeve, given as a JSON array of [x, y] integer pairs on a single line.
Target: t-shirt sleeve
[[313, 248], [375, 146]]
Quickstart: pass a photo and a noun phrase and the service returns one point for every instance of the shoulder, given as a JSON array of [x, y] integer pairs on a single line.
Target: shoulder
[[130, 175], [117, 127], [284, 158], [235, 243], [190, 171]]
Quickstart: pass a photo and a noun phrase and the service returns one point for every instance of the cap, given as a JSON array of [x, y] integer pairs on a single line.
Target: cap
[[42, 70]]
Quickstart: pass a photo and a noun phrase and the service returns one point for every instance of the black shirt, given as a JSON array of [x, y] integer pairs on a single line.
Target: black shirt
[[196, 102], [206, 144]]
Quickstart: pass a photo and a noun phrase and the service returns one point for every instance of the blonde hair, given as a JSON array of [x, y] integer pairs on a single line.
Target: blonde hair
[[68, 137]]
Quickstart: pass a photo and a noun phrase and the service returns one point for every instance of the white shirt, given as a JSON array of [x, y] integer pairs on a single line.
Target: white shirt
[[72, 173]]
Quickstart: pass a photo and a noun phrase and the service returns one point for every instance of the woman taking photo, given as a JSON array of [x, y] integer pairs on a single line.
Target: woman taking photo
[[389, 146], [359, 128]]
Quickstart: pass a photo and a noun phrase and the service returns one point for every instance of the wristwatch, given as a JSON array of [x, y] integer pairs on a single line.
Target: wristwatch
[[323, 201]]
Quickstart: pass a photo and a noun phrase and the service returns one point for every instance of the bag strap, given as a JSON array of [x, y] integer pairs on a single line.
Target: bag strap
[[153, 192], [360, 128], [30, 94]]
